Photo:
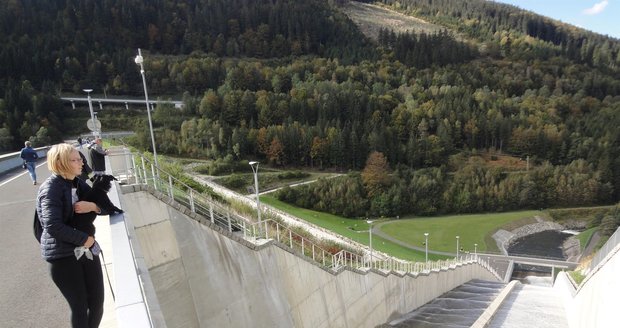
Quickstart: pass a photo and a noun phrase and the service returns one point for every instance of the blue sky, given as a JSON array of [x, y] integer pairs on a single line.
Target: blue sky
[[600, 16]]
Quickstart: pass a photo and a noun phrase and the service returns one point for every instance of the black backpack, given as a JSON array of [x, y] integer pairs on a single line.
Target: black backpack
[[37, 228]]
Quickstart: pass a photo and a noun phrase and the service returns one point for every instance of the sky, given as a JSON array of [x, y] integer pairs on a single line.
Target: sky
[[600, 16]]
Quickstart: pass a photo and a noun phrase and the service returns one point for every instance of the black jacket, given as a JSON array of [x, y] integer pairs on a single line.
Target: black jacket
[[86, 170], [97, 158], [28, 154], [55, 208]]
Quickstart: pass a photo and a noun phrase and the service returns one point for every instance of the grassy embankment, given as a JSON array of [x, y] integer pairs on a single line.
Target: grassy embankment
[[475, 228]]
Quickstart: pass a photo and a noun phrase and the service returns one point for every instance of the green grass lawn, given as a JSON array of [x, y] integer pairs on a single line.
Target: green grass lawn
[[356, 230], [442, 231], [471, 229], [584, 237]]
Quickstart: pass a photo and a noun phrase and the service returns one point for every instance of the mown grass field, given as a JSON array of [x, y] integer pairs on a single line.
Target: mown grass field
[[471, 229], [354, 229], [475, 228]]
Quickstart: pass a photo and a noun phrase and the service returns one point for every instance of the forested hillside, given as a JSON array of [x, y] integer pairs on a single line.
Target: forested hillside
[[295, 83]]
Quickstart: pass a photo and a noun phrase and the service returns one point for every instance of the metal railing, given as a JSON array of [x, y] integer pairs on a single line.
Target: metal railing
[[140, 170], [602, 253]]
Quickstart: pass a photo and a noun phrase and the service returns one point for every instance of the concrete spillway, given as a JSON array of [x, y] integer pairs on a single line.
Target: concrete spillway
[[531, 306], [204, 277], [460, 307]]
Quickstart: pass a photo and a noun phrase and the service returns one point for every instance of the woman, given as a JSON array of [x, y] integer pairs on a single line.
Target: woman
[[79, 278]]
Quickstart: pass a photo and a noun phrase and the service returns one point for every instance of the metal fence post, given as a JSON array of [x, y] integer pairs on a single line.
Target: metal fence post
[[146, 182], [135, 171], [191, 200], [153, 173], [170, 184]]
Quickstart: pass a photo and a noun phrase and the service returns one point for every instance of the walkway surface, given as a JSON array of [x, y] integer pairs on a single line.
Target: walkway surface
[[29, 298]]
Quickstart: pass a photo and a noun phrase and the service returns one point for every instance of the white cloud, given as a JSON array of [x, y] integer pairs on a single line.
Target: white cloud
[[597, 8]]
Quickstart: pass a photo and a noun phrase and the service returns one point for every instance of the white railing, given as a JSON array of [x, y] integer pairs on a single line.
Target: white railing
[[12, 161], [140, 170], [602, 253]]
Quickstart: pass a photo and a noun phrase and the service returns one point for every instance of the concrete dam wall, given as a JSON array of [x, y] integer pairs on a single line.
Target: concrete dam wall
[[595, 302], [206, 277]]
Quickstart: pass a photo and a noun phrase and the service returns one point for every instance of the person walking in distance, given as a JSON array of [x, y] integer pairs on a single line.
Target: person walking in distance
[[78, 277], [30, 157], [97, 157]]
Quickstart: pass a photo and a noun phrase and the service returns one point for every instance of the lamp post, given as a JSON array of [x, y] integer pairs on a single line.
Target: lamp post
[[97, 126], [476, 250], [370, 238], [457, 247], [139, 60], [92, 114], [426, 245], [254, 166]]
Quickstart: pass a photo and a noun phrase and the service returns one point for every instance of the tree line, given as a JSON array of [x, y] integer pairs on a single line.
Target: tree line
[[473, 188], [323, 114], [328, 98], [514, 29]]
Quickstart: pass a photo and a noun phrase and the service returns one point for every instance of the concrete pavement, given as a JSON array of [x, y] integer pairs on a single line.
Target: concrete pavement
[[28, 297]]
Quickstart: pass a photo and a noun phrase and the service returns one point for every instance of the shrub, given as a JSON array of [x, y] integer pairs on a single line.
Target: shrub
[[293, 175], [235, 181]]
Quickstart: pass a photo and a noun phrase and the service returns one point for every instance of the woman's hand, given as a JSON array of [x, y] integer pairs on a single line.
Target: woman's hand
[[85, 207], [89, 241]]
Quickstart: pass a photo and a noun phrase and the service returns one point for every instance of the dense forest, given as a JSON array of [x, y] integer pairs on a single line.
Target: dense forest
[[295, 83]]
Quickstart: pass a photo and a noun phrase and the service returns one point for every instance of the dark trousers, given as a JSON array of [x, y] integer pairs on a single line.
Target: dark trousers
[[81, 283]]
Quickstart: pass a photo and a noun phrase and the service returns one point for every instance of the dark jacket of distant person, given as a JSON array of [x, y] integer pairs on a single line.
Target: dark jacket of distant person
[[97, 157]]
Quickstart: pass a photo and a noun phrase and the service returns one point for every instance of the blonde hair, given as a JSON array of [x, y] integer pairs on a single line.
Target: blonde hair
[[59, 158]]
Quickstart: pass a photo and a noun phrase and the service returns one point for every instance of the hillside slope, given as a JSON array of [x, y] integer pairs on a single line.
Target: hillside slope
[[371, 18]]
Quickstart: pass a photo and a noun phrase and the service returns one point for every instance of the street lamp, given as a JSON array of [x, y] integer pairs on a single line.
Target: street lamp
[[97, 126], [370, 238], [254, 166], [476, 250], [426, 245], [139, 60], [92, 115], [457, 247]]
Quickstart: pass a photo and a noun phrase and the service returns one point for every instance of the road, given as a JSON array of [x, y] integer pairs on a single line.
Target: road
[[29, 297]]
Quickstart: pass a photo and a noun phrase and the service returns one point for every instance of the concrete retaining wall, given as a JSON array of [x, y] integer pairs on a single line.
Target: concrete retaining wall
[[595, 303], [206, 278]]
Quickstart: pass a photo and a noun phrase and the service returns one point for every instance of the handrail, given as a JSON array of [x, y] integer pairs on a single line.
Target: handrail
[[140, 170], [604, 251], [12, 161]]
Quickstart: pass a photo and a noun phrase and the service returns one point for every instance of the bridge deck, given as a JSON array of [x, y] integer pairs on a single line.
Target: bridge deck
[[29, 297]]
